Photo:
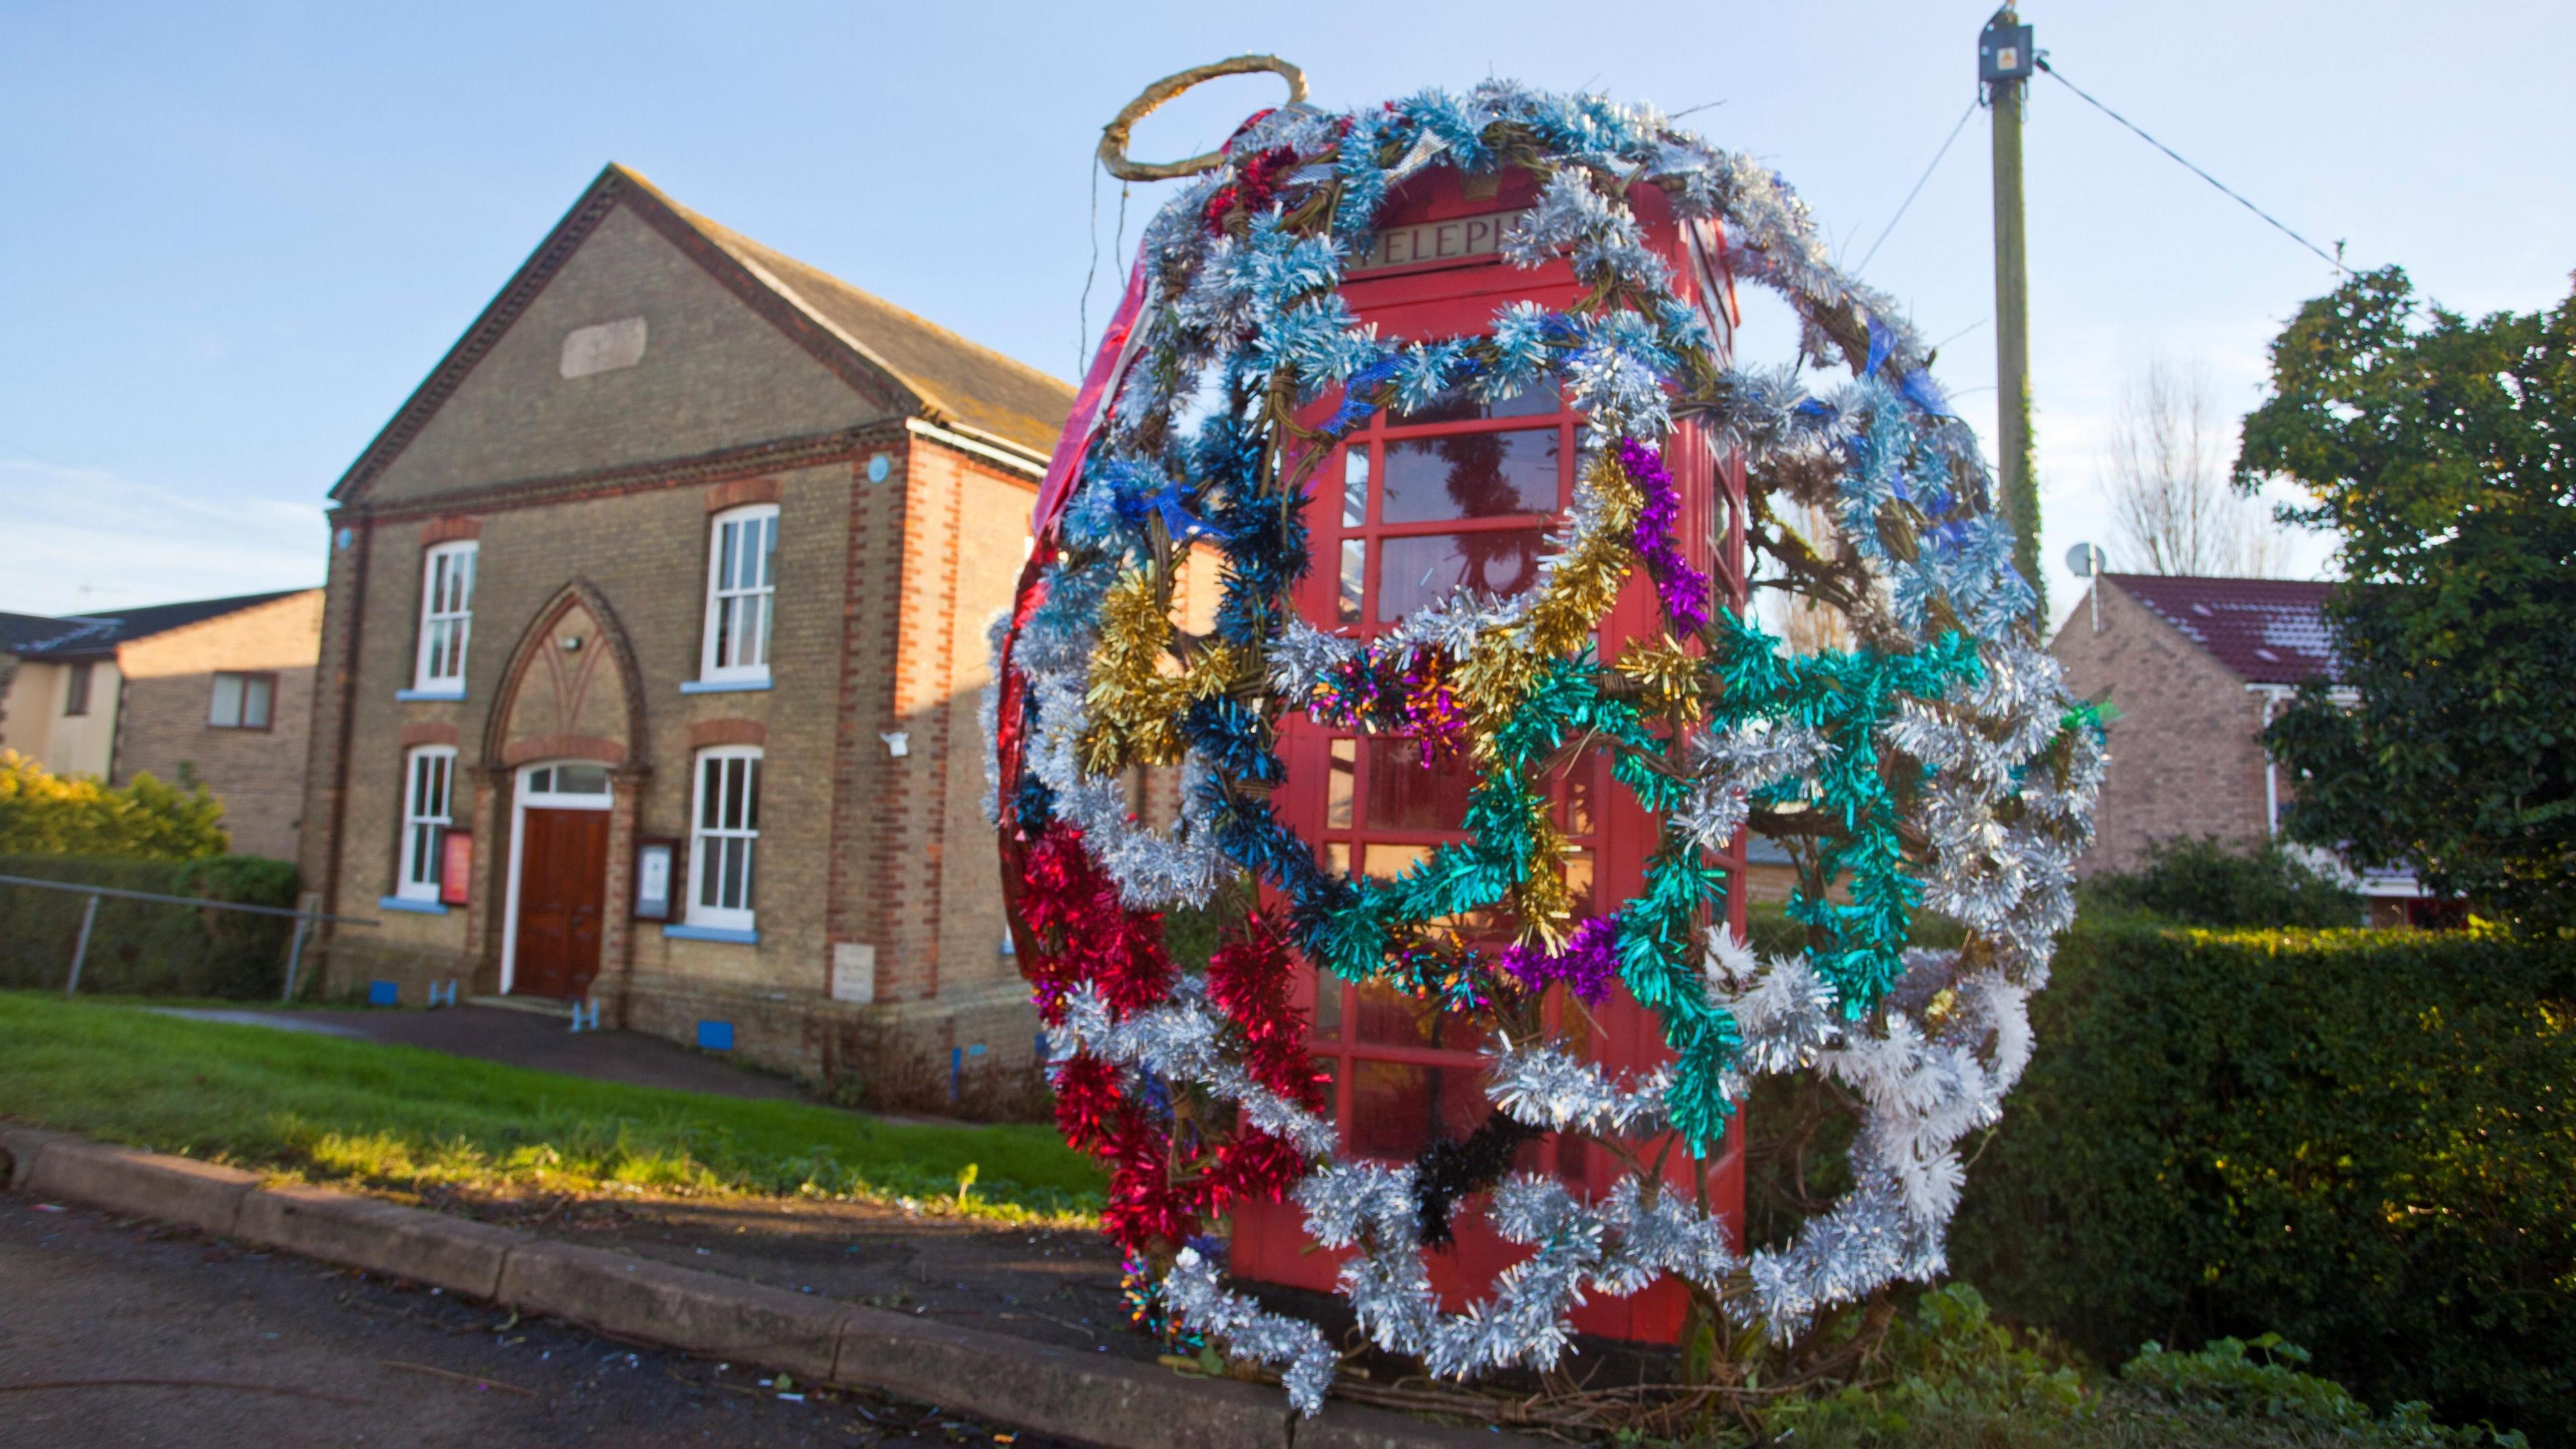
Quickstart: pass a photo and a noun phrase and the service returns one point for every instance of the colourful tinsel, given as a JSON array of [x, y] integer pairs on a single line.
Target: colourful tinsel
[[1942, 766], [1587, 965], [1432, 713], [1681, 588]]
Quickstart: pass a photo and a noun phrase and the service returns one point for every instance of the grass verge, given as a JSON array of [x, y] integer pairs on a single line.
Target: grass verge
[[332, 1110]]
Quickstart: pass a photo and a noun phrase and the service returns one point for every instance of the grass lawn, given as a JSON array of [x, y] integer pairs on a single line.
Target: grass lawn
[[329, 1109]]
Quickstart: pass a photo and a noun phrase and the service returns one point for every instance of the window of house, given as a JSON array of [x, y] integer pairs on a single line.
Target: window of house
[[446, 617], [724, 828], [76, 688], [429, 782], [742, 570], [242, 701]]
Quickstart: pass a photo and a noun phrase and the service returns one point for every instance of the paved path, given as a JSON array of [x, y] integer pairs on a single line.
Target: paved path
[[360, 1360], [526, 1039]]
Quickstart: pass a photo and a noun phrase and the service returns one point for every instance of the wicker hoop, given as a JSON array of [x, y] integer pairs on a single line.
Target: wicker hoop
[[1113, 137]]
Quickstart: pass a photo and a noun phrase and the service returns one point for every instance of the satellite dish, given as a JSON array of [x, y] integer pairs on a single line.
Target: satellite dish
[[2086, 561]]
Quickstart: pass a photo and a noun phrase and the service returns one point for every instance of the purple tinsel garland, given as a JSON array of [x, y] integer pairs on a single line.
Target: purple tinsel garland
[[1588, 964], [1682, 589]]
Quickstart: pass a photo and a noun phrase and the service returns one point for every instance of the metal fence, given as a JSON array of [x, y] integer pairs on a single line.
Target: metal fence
[[304, 921]]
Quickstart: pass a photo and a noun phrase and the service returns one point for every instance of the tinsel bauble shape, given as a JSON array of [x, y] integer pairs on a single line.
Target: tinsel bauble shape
[[1933, 763]]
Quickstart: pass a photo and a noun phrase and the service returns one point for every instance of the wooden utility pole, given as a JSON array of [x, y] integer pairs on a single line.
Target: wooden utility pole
[[2004, 65]]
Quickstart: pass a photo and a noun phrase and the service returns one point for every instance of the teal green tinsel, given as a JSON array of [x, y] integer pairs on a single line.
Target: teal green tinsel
[[1848, 696]]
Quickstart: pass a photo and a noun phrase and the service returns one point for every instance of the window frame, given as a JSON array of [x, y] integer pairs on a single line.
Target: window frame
[[714, 630], [79, 681], [459, 620], [241, 703], [707, 843], [421, 833]]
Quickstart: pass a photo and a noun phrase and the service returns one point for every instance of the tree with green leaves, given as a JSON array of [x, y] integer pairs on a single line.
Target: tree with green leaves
[[2443, 450]]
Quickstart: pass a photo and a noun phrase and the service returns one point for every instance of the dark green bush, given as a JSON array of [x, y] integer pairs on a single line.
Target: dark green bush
[[2364, 1141], [1948, 1374], [2204, 883], [148, 947]]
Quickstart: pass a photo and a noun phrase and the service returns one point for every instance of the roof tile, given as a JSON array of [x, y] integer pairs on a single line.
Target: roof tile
[[2270, 631]]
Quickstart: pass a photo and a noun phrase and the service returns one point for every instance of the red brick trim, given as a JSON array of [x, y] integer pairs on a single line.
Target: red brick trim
[[811, 451], [428, 734], [450, 529], [740, 491], [479, 339], [563, 747], [708, 733]]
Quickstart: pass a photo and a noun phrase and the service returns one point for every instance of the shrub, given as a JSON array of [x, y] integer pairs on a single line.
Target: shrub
[[1948, 1374], [2362, 1140], [148, 947], [2203, 883], [46, 814]]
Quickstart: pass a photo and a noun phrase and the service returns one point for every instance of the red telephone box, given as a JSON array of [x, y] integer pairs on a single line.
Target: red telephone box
[[1406, 510]]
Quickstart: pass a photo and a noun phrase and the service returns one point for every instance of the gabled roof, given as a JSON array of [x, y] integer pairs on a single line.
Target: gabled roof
[[869, 342], [17, 631], [2269, 631], [959, 382], [87, 636]]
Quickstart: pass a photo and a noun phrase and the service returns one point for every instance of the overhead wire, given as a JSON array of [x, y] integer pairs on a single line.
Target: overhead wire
[[2277, 224], [1901, 206]]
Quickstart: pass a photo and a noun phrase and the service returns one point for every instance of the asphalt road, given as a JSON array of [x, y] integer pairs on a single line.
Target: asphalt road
[[282, 1351]]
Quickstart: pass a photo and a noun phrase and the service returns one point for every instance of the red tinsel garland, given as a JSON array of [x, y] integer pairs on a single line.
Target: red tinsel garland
[[1159, 1196]]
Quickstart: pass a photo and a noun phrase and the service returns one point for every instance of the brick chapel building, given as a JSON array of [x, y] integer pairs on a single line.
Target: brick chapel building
[[2196, 668], [653, 645]]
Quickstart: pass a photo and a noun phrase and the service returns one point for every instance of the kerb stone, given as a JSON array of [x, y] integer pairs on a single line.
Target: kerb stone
[[699, 1312], [180, 1190], [425, 1247], [20, 1146], [1092, 1399]]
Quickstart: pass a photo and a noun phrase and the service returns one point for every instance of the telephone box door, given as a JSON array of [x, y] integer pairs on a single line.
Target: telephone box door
[[1410, 508]]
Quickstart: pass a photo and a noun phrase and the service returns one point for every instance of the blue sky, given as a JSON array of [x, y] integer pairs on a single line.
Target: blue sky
[[238, 236]]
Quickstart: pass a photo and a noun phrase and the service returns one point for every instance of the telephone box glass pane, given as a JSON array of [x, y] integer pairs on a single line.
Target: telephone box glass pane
[[1328, 1009], [1337, 786], [1355, 486], [1354, 579], [1386, 862], [1399, 1108], [1413, 572], [1406, 794], [1384, 1016], [1459, 405], [1469, 475]]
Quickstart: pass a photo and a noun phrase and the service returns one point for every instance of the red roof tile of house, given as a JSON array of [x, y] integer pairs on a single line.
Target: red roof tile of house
[[2270, 631]]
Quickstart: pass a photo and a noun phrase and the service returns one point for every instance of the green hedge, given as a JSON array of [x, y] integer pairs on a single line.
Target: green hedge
[[148, 947], [2365, 1141]]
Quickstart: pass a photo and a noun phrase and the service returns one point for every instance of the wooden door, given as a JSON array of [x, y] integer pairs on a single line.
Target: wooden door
[[563, 886]]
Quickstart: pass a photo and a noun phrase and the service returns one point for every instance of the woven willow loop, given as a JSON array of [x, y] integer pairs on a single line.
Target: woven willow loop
[[1114, 136]]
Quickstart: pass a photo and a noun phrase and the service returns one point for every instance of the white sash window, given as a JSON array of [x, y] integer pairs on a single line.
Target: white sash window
[[742, 583], [429, 785], [446, 618], [724, 830]]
